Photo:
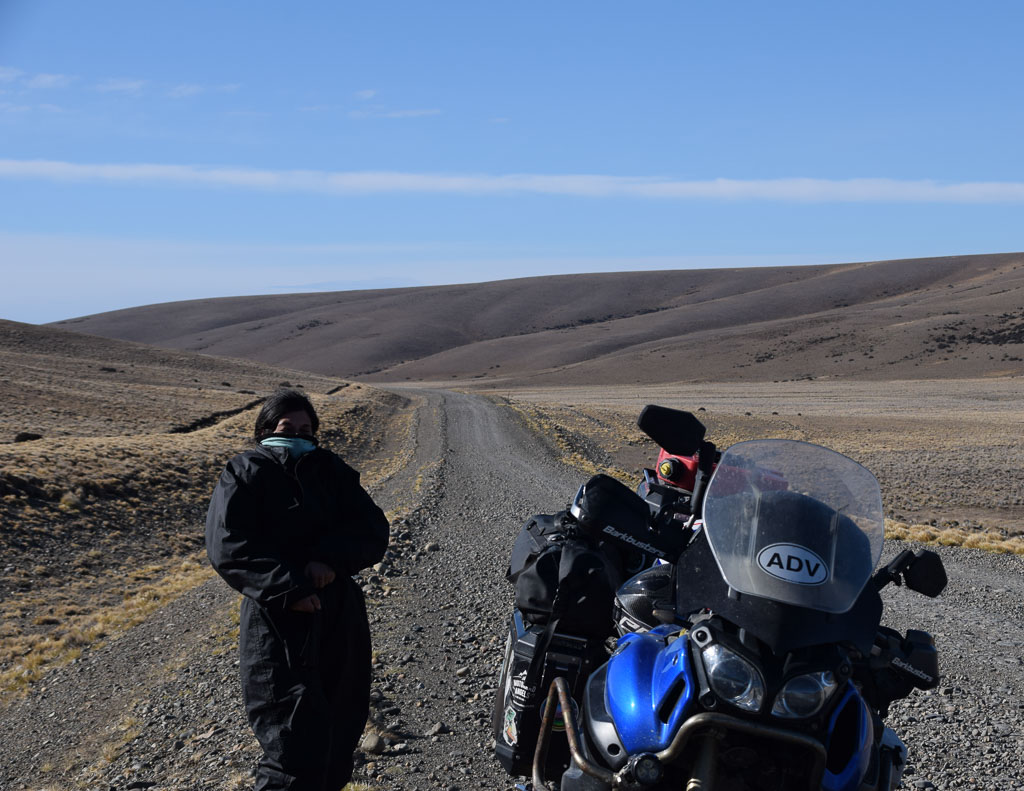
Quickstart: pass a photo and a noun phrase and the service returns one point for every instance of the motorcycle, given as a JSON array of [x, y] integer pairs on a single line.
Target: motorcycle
[[755, 659]]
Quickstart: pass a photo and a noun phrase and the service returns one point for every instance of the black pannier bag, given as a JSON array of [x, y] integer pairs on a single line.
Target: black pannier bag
[[565, 584], [561, 573]]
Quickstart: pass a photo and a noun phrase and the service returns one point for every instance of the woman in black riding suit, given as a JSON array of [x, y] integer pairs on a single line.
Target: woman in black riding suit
[[287, 526]]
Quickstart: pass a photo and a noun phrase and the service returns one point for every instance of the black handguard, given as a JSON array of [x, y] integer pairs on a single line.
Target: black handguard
[[919, 660], [610, 511], [898, 665]]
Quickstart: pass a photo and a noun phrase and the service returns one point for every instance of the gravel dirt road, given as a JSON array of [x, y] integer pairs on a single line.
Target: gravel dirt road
[[159, 707]]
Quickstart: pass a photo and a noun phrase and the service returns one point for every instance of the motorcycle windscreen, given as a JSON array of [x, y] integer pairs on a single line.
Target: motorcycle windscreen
[[794, 523]]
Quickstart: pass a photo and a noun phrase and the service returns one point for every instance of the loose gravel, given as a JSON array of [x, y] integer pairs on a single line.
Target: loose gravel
[[160, 706]]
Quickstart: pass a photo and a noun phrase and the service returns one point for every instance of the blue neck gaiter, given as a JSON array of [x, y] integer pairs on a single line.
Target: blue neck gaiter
[[296, 446]]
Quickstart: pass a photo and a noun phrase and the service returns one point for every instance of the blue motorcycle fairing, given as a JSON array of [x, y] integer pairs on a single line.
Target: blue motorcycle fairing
[[857, 724], [650, 689]]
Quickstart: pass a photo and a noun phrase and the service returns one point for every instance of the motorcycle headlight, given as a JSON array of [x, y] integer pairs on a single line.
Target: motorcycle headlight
[[733, 678], [803, 696]]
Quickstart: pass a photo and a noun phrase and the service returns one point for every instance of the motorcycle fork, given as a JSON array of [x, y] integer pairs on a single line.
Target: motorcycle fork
[[704, 771]]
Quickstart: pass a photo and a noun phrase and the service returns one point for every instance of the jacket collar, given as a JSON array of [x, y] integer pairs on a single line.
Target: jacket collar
[[281, 456]]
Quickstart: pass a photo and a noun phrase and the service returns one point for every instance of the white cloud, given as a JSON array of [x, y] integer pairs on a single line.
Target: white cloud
[[48, 81], [11, 108], [380, 112], [22, 81], [121, 85], [409, 113], [792, 190], [364, 95], [247, 114], [185, 90]]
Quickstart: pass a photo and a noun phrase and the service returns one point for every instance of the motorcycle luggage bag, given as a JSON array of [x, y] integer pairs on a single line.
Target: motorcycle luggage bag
[[523, 687], [536, 535], [563, 575]]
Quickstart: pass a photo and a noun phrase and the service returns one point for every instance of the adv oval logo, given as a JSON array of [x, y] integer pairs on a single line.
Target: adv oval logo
[[793, 563]]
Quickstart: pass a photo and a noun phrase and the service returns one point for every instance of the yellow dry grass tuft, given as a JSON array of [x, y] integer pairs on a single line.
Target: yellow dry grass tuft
[[238, 781], [38, 653], [954, 537], [124, 732]]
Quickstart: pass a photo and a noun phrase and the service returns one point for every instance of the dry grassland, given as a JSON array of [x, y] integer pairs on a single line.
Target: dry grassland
[[99, 531], [948, 454], [61, 384]]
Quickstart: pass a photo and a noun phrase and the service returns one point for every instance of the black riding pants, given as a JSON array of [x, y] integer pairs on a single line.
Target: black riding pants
[[306, 686]]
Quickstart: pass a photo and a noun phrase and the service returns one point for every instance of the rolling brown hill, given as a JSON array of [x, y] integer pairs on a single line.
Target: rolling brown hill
[[919, 319], [59, 383]]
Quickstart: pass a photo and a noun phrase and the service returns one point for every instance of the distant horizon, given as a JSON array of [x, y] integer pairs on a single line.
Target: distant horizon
[[341, 286], [736, 262]]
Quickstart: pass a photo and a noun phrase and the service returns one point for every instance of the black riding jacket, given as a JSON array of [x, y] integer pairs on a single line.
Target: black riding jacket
[[269, 517]]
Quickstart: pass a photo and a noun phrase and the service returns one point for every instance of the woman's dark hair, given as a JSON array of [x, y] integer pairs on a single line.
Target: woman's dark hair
[[279, 404]]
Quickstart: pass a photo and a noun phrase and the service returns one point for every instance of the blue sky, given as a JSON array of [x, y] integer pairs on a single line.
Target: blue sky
[[152, 152]]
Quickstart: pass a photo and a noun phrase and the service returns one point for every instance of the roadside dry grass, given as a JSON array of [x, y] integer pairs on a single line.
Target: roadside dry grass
[[101, 531], [937, 487], [26, 657], [585, 438], [954, 537]]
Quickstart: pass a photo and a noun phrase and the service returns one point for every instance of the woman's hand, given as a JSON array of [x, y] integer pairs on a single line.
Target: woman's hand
[[310, 604], [320, 574]]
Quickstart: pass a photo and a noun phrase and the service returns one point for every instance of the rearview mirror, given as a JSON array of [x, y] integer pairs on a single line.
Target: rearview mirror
[[926, 574], [678, 432]]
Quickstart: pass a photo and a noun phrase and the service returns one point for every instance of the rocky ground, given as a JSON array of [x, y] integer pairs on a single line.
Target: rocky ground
[[969, 732], [159, 706]]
